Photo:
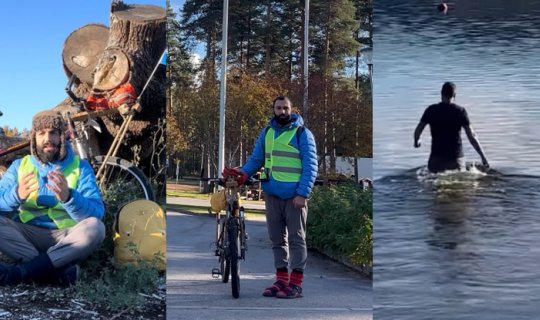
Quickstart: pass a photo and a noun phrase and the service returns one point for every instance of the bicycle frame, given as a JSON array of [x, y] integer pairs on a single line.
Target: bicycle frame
[[234, 210], [231, 243]]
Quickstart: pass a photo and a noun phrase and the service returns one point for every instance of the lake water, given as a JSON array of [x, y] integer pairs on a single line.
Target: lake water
[[459, 245]]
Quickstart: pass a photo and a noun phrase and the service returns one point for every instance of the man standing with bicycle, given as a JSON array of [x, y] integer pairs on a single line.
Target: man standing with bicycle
[[50, 209], [287, 151]]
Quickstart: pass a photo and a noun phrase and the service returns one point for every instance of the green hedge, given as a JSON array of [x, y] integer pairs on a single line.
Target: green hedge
[[340, 221]]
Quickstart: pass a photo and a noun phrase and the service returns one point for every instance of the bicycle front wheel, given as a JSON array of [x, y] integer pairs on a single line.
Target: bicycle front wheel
[[234, 246], [123, 180]]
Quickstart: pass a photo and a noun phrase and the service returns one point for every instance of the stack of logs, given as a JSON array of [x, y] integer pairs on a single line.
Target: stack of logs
[[103, 59]]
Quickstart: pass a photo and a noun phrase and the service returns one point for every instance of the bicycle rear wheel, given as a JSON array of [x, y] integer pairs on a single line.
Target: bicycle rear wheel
[[234, 246], [124, 180], [224, 264]]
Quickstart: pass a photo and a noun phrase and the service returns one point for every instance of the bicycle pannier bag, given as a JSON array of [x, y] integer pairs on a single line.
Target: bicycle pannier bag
[[218, 201], [140, 225]]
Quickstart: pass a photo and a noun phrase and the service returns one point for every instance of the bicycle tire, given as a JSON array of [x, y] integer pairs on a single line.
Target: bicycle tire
[[224, 265], [225, 268], [234, 245], [122, 175]]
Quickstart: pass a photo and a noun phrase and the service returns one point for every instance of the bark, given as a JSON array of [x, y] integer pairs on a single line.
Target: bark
[[7, 143], [138, 31], [134, 46]]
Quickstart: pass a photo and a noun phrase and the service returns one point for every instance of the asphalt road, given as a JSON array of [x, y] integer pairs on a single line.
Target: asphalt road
[[331, 291]]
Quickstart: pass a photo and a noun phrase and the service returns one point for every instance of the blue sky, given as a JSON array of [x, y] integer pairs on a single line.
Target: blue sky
[[33, 33], [177, 5]]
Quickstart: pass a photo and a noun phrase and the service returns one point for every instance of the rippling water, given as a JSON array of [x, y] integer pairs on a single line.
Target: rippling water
[[459, 245]]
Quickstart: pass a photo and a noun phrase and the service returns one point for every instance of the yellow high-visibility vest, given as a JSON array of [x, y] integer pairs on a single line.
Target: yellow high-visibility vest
[[30, 210], [281, 159]]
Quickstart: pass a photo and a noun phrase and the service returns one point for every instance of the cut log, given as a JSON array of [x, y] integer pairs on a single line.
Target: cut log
[[135, 43], [82, 49], [113, 70], [16, 147]]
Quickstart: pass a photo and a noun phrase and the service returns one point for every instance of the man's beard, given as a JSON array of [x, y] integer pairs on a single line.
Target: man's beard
[[51, 156], [283, 119]]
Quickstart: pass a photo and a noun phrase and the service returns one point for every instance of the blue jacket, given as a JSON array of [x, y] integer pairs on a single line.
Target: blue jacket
[[308, 155], [85, 201]]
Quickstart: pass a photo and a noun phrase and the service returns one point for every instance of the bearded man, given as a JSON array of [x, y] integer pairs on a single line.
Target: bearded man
[[50, 209]]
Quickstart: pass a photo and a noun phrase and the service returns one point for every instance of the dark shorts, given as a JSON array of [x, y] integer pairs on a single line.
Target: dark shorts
[[439, 164]]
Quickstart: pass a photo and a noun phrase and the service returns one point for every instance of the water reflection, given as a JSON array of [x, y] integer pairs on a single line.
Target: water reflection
[[457, 241], [460, 245]]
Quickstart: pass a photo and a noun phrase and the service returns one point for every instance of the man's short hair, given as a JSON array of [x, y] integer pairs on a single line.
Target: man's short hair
[[281, 98], [448, 89]]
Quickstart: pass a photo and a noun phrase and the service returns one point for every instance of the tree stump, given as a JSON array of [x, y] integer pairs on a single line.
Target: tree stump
[[137, 39], [135, 43]]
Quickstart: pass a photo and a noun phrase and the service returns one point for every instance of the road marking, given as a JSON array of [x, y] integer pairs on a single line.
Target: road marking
[[270, 308]]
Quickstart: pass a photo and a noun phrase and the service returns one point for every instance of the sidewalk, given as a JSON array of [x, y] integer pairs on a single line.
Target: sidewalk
[[331, 291]]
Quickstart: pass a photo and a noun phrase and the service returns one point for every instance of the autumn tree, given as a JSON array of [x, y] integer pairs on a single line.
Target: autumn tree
[[265, 47]]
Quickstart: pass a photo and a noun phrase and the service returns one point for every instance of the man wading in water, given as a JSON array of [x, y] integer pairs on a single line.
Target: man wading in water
[[445, 120]]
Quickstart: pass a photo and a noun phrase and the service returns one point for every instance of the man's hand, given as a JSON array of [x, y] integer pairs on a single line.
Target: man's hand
[[228, 171], [485, 163], [240, 176], [418, 132], [299, 202], [28, 185], [58, 184]]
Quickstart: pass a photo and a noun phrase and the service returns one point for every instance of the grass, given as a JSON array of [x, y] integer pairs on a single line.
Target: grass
[[204, 210], [101, 282], [192, 182], [189, 194]]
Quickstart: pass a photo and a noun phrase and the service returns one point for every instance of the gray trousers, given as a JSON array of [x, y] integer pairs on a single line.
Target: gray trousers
[[23, 242], [287, 232]]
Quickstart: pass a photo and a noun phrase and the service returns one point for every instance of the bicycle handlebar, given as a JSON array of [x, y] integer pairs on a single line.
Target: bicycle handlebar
[[221, 181], [69, 91], [71, 126]]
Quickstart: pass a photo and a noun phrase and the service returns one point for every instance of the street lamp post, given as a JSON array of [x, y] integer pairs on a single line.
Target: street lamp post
[[367, 52], [223, 89], [357, 120], [305, 62]]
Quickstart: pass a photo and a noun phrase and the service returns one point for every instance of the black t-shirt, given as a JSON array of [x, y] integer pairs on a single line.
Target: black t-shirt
[[445, 121]]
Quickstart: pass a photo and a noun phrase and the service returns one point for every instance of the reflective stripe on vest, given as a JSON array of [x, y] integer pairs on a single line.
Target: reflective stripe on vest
[[30, 210], [281, 159]]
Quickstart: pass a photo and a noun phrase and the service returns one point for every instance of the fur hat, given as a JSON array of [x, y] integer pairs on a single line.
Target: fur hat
[[47, 119]]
